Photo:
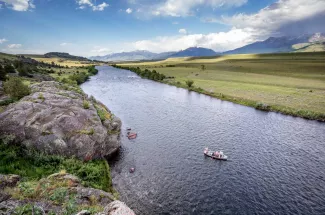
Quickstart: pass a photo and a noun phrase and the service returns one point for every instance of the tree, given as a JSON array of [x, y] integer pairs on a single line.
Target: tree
[[189, 83], [15, 88], [23, 71], [9, 68], [203, 67], [2, 74]]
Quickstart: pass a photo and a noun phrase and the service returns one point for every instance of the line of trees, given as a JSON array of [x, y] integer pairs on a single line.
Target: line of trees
[[152, 75]]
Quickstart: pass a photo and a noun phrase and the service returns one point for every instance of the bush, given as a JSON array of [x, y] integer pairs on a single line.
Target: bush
[[86, 104], [2, 73], [24, 71], [9, 68], [189, 83], [15, 88], [79, 78]]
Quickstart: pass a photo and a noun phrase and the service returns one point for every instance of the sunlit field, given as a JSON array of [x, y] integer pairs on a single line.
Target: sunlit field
[[294, 80]]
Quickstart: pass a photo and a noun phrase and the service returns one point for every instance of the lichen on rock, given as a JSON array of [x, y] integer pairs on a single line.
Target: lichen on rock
[[53, 119]]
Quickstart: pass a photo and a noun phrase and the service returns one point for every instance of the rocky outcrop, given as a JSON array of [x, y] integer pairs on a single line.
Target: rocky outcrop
[[59, 193], [60, 119], [117, 208]]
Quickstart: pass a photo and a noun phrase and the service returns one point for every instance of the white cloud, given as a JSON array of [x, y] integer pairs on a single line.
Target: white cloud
[[83, 3], [14, 46], [218, 41], [245, 28], [129, 10], [100, 7], [3, 40], [182, 31], [185, 7], [175, 23], [270, 19], [19, 5]]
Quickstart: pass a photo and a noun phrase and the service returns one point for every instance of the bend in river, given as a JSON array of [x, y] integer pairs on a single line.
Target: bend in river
[[276, 162]]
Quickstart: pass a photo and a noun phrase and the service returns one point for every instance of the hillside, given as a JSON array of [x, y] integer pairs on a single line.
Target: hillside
[[194, 52], [64, 55], [309, 47], [278, 44]]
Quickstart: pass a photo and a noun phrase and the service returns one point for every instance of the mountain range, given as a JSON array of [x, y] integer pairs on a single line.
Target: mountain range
[[300, 43]]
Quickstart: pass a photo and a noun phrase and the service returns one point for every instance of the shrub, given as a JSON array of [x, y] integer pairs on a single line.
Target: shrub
[[262, 106], [2, 73], [24, 71], [86, 104], [15, 88], [203, 67], [9, 68], [189, 83]]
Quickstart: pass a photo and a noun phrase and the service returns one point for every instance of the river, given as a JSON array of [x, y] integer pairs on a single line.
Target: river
[[276, 162]]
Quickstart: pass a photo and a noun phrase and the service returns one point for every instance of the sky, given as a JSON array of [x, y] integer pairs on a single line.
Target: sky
[[99, 27]]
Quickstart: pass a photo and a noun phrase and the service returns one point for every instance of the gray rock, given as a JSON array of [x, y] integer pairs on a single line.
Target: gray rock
[[8, 181], [84, 212], [117, 208], [53, 119]]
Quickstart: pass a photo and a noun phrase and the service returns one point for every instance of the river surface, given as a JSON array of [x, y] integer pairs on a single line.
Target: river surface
[[276, 163]]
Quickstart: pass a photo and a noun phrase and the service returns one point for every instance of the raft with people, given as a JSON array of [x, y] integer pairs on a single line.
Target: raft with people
[[218, 155]]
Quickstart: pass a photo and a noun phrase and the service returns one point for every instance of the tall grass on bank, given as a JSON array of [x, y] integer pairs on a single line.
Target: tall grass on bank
[[33, 165]]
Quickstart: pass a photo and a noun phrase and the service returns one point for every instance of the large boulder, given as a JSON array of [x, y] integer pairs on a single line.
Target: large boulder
[[60, 119]]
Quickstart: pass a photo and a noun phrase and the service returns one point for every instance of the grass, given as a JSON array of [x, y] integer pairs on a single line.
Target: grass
[[291, 83], [32, 166], [87, 132], [86, 104], [103, 113]]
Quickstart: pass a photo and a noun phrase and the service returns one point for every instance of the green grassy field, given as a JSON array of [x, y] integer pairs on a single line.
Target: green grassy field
[[292, 83]]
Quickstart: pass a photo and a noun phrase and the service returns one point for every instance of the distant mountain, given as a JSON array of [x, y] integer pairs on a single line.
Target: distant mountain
[[278, 44], [146, 55], [195, 52], [133, 56]]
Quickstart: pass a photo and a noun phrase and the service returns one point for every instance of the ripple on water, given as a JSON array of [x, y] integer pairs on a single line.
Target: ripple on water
[[276, 166]]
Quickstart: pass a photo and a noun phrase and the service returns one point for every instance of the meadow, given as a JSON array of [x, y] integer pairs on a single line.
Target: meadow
[[291, 83]]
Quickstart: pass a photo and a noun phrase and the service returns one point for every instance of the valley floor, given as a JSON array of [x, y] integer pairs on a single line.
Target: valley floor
[[292, 83]]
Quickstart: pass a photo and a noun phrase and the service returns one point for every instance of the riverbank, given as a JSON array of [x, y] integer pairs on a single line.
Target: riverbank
[[49, 131], [292, 84]]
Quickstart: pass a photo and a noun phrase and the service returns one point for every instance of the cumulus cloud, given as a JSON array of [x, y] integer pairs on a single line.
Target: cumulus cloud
[[182, 31], [88, 3], [186, 7], [221, 41], [280, 18], [14, 46], [272, 18], [129, 10], [100, 7], [3, 40], [19, 5]]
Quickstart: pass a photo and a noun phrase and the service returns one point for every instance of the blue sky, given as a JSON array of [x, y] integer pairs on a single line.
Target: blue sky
[[98, 27]]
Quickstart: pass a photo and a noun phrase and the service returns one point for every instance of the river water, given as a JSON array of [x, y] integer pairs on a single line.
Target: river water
[[276, 163]]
